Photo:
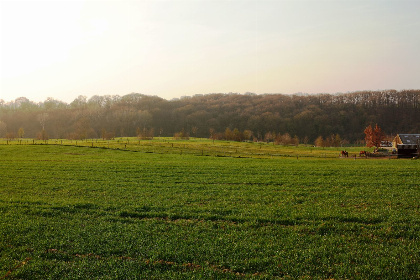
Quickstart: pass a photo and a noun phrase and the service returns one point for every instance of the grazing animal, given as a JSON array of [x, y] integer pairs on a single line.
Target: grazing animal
[[363, 153], [344, 154]]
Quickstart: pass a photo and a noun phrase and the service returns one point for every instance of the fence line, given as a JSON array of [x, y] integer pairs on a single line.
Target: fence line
[[206, 149]]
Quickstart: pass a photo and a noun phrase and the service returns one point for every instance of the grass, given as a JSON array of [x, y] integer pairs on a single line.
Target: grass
[[72, 212], [198, 146]]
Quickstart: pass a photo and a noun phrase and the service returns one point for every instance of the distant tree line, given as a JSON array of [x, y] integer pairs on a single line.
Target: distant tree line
[[277, 118]]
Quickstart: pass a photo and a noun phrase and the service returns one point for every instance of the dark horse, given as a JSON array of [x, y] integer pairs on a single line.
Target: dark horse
[[363, 153], [344, 154]]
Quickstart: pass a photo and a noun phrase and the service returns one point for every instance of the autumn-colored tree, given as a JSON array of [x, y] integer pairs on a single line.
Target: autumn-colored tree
[[228, 134], [247, 134], [295, 140], [319, 142], [10, 135], [286, 139], [368, 136], [269, 136], [182, 135], [373, 137], [333, 141], [21, 132], [42, 135], [145, 134], [378, 136], [337, 140], [237, 135]]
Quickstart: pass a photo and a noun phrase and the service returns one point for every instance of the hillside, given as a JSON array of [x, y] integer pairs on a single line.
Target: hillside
[[304, 116]]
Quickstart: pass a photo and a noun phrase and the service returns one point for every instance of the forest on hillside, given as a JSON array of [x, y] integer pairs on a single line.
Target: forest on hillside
[[233, 116]]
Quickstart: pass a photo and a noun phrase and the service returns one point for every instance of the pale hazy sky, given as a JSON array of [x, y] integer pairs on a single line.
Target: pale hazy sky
[[63, 49]]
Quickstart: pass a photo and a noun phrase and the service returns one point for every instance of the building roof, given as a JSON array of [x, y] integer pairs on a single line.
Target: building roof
[[409, 139]]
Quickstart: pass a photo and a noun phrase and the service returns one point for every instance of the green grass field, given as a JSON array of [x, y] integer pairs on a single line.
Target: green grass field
[[165, 209], [197, 146]]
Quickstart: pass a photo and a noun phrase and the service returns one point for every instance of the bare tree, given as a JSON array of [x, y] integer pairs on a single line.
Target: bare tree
[[3, 129], [194, 130], [42, 118]]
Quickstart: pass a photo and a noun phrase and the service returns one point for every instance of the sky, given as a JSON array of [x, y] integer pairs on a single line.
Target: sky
[[64, 49]]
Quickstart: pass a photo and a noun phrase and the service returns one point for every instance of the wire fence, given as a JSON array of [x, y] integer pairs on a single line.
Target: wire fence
[[209, 148]]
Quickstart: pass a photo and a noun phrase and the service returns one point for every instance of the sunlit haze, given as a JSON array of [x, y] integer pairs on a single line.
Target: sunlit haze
[[63, 49]]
